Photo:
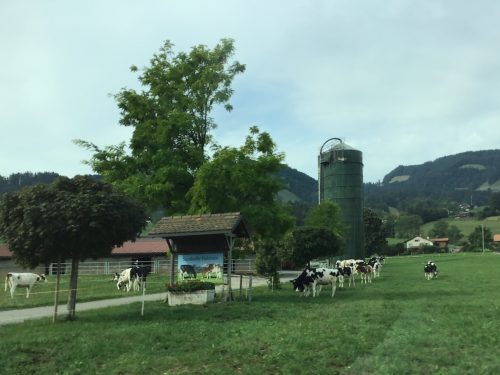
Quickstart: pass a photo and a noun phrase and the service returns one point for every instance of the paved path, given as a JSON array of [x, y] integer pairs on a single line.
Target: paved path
[[20, 315]]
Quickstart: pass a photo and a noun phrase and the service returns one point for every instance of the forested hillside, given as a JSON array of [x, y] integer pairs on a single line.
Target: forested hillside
[[468, 177]]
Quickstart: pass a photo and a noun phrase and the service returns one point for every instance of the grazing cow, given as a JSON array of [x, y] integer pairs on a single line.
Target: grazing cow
[[212, 270], [124, 279], [188, 271], [366, 272], [25, 280], [430, 270], [131, 278], [314, 278]]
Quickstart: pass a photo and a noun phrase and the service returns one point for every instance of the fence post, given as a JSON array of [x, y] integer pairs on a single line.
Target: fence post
[[250, 289]]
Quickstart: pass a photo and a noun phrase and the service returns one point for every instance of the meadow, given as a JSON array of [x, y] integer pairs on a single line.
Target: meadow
[[399, 324], [467, 226]]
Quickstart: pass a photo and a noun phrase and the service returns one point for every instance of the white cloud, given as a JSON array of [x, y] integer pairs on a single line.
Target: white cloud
[[403, 81]]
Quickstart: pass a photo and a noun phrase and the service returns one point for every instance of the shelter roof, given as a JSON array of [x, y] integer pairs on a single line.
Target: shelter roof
[[231, 223]]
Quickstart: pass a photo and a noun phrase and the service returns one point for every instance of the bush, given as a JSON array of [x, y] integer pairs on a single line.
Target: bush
[[190, 286]]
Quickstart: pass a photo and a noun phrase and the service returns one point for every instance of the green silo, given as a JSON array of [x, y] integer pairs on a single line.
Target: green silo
[[340, 179]]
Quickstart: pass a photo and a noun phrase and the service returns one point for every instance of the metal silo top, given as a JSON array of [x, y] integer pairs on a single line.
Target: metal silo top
[[340, 152]]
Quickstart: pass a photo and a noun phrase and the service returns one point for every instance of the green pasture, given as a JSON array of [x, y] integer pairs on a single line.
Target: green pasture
[[90, 287], [399, 324], [467, 226]]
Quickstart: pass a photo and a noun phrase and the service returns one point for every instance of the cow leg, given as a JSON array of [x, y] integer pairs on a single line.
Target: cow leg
[[334, 287], [12, 290]]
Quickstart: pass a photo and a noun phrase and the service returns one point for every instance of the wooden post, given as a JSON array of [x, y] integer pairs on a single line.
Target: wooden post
[[230, 241], [143, 294], [250, 289], [241, 284]]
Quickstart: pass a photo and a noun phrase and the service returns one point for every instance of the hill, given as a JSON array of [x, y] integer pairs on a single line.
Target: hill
[[468, 177]]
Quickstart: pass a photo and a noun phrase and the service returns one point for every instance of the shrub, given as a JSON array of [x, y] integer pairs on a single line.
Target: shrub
[[190, 286]]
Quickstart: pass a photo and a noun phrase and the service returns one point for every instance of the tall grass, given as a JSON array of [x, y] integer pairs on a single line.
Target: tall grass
[[399, 324]]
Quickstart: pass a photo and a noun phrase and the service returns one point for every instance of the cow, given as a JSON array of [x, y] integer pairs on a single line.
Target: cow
[[24, 279], [346, 272], [366, 272], [314, 278], [212, 270], [131, 278], [430, 270], [188, 271]]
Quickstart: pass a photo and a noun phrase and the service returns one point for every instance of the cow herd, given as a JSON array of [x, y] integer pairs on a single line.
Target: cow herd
[[309, 281]]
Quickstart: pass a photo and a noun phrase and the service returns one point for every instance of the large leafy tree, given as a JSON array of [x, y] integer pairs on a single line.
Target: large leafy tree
[[310, 242], [244, 179], [75, 219], [172, 123], [326, 214], [375, 241]]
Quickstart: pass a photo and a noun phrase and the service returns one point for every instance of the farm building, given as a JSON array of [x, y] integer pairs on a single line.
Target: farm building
[[144, 251], [417, 242], [440, 242]]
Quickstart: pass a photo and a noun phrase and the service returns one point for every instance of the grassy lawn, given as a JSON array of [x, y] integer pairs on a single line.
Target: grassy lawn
[[400, 324]]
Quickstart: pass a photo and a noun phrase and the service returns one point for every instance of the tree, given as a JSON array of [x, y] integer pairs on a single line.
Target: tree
[[443, 229], [75, 219], [244, 180], [440, 229], [308, 243], [375, 240], [477, 236], [171, 121], [267, 260], [326, 214], [408, 225]]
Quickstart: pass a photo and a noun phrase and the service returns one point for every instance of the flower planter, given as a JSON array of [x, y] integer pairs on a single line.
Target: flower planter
[[199, 297]]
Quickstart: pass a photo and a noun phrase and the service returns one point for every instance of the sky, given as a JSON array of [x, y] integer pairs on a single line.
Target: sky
[[404, 82]]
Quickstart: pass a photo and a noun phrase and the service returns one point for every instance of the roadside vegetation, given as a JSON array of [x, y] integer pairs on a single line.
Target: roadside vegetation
[[399, 324]]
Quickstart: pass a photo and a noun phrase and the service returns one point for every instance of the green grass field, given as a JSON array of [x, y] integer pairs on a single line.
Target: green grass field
[[400, 324], [467, 226]]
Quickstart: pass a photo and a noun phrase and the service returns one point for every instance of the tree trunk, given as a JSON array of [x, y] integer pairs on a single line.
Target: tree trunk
[[72, 289], [56, 295]]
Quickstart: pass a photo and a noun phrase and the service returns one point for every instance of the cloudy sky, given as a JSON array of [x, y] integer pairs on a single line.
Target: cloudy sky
[[403, 81]]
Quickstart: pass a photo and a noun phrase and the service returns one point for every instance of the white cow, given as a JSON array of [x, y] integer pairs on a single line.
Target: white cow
[[23, 279], [125, 278]]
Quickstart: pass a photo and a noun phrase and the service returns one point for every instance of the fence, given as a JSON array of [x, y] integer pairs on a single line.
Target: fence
[[240, 266]]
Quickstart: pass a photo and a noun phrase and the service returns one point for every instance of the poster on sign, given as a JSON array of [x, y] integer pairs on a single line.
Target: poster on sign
[[200, 266]]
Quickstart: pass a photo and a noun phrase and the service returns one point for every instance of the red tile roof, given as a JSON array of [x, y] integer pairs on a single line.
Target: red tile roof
[[141, 246], [4, 251]]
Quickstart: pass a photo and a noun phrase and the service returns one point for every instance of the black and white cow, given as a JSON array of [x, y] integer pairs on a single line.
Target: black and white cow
[[131, 278], [346, 272], [314, 278], [430, 270], [23, 279], [188, 271]]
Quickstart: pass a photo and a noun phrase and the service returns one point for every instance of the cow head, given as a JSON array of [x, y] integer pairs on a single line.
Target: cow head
[[41, 278]]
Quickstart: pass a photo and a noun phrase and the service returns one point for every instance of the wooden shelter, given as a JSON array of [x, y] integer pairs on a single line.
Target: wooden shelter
[[202, 233]]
